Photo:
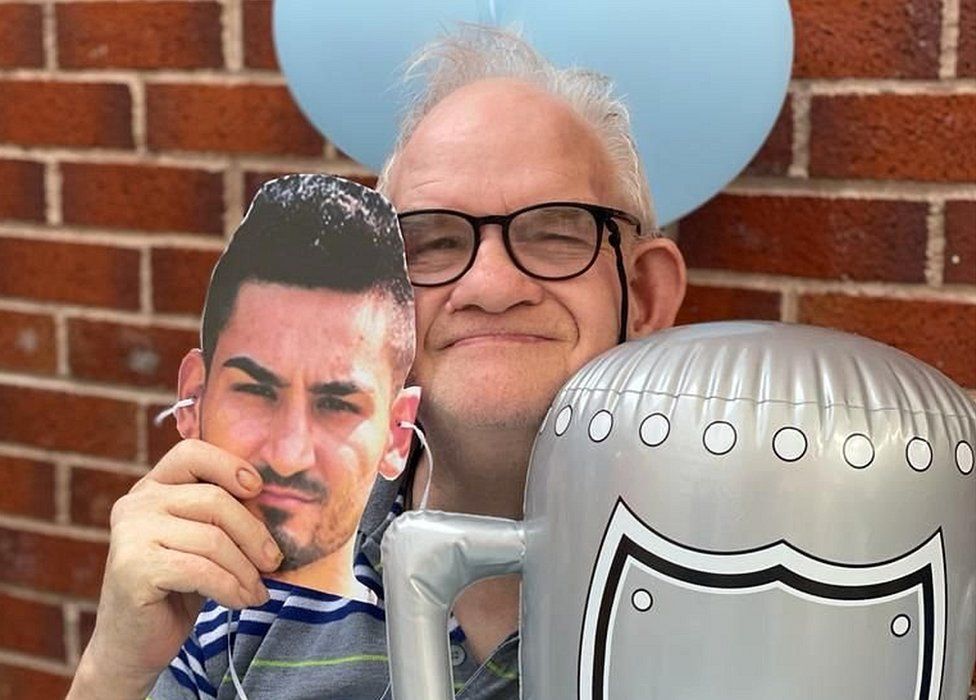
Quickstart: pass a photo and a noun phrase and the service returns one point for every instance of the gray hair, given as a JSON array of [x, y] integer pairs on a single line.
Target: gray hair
[[475, 52]]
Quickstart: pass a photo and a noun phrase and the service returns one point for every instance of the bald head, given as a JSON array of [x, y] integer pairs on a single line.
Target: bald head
[[506, 138]]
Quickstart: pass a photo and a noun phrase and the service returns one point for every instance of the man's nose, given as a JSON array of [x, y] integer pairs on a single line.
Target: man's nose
[[290, 448], [493, 283]]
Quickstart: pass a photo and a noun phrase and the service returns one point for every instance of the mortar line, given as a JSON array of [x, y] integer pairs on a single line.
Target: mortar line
[[231, 33], [935, 244], [62, 492], [72, 633], [949, 39], [83, 533], [894, 290], [61, 349], [60, 384], [52, 193], [132, 318], [800, 162], [104, 464], [49, 35], [35, 663]]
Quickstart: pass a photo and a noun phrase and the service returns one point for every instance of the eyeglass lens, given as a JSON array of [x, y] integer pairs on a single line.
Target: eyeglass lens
[[547, 242]]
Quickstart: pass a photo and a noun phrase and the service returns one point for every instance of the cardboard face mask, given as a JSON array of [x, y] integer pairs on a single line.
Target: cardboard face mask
[[307, 335]]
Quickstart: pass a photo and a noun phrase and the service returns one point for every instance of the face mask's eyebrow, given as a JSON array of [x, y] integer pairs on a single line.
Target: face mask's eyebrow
[[335, 388], [256, 371]]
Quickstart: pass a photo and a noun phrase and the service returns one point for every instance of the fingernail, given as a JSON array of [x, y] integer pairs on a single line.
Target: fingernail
[[272, 552], [248, 479]]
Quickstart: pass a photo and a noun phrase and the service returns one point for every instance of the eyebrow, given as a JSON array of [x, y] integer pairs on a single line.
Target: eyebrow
[[335, 388], [266, 376], [257, 372]]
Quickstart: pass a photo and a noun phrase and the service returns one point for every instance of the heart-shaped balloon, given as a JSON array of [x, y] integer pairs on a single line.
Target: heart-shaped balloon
[[704, 79]]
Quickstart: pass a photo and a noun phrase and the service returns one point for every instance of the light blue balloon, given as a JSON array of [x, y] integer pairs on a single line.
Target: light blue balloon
[[704, 79]]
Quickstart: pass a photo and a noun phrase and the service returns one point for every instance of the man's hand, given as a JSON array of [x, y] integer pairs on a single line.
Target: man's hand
[[178, 536]]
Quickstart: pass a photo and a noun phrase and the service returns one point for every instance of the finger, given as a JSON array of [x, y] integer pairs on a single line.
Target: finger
[[210, 504], [209, 542], [191, 461], [191, 573]]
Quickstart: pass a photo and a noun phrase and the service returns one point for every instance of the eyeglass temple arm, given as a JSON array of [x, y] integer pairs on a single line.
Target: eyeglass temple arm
[[614, 240]]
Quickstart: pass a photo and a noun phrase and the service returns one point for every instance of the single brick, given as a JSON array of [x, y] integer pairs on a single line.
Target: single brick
[[30, 627], [21, 682], [230, 118], [940, 333], [143, 197], [702, 304], [123, 354], [161, 437], [776, 154], [27, 342], [143, 35], [960, 249], [56, 420], [916, 137], [51, 563], [866, 39], [94, 491], [94, 275], [28, 488], [259, 50], [42, 113], [22, 193], [966, 56], [809, 237], [21, 36], [180, 279]]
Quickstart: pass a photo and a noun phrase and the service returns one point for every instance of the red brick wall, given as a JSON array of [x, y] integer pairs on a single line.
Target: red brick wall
[[133, 133]]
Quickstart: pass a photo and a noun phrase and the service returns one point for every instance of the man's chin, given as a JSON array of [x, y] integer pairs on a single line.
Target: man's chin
[[490, 408]]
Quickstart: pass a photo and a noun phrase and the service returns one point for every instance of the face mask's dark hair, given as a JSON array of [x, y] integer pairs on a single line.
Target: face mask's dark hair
[[316, 232]]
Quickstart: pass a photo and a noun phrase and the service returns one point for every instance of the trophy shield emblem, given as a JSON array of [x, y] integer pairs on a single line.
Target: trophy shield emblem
[[764, 623]]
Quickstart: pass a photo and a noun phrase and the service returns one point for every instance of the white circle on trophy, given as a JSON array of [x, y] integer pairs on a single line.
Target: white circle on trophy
[[964, 457], [719, 437], [789, 444], [858, 451], [900, 625], [654, 429], [919, 454], [642, 600], [562, 419], [600, 425]]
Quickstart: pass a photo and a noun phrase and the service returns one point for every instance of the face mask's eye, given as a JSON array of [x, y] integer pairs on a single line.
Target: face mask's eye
[[262, 390], [333, 404]]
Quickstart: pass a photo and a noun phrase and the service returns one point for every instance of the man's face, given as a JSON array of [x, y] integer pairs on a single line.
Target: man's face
[[495, 346], [300, 385]]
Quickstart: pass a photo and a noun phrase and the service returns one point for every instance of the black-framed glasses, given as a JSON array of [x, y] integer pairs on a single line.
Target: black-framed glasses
[[549, 241]]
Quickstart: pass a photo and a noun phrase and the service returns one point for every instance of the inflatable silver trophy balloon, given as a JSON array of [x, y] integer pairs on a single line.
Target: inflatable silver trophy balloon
[[729, 510]]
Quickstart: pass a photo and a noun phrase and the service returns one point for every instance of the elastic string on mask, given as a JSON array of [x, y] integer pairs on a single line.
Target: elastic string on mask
[[614, 240], [166, 412], [230, 659], [430, 459]]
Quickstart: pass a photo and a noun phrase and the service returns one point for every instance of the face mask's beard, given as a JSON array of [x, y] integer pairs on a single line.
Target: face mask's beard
[[294, 554]]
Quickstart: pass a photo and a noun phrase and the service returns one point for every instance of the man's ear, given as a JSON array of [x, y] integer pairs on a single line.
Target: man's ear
[[193, 376], [657, 285], [403, 410]]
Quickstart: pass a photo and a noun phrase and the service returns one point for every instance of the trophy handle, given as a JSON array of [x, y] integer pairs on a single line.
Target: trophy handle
[[429, 557]]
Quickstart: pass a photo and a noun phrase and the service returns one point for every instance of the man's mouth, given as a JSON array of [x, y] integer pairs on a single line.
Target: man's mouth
[[497, 338], [284, 498]]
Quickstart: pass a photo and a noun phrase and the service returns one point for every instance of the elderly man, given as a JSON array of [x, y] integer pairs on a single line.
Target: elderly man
[[531, 243]]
